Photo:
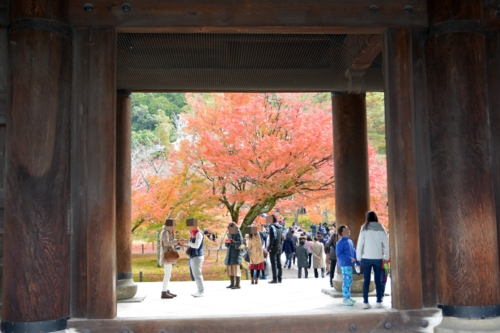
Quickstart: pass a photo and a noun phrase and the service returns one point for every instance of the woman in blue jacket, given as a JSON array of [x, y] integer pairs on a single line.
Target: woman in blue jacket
[[346, 256]]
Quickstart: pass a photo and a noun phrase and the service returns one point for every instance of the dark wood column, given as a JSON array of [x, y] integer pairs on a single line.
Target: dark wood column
[[126, 288], [350, 144], [36, 281], [493, 58], [93, 174], [401, 107], [465, 217], [3, 116]]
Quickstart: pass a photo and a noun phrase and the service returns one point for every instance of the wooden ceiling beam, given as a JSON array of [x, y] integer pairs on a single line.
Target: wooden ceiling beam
[[251, 16]]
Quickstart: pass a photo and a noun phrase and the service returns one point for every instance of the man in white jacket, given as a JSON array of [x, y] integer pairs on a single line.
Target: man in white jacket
[[372, 248]]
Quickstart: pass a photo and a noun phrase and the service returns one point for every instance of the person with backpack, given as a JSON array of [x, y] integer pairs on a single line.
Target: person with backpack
[[274, 249]]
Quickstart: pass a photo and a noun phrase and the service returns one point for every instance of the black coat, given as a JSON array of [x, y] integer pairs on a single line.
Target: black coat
[[288, 246]]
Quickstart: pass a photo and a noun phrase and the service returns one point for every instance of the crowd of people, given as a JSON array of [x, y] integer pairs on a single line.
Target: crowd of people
[[322, 248]]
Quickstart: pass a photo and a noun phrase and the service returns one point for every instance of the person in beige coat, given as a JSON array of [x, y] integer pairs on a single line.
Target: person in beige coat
[[318, 255], [256, 255], [168, 242]]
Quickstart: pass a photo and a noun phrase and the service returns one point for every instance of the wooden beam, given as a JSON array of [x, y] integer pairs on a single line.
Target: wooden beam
[[37, 273], [370, 49], [401, 171], [493, 59], [462, 178], [93, 183], [423, 171], [350, 145], [252, 16]]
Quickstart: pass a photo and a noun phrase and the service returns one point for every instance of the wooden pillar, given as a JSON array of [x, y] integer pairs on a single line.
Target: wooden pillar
[[3, 117], [126, 288], [465, 217], [401, 170], [93, 174], [352, 189], [36, 281], [493, 59], [350, 144]]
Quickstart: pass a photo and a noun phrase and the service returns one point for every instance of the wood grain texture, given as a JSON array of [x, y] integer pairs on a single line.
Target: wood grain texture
[[455, 10], [94, 108], [348, 16], [123, 183], [36, 283], [423, 172], [493, 63], [350, 145], [401, 170], [461, 170], [47, 9], [3, 129], [79, 166], [371, 321]]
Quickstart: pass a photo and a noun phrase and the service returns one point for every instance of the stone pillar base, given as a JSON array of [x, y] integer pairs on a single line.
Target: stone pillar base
[[125, 288], [460, 325], [357, 282]]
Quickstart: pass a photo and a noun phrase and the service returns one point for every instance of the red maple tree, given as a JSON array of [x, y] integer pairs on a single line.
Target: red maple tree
[[255, 149]]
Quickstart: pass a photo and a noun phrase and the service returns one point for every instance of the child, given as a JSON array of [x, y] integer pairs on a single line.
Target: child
[[302, 256], [265, 271], [346, 257]]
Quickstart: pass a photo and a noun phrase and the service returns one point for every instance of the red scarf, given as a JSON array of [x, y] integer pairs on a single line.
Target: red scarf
[[194, 232]]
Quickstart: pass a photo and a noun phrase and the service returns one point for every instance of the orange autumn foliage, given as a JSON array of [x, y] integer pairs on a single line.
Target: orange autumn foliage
[[255, 149]]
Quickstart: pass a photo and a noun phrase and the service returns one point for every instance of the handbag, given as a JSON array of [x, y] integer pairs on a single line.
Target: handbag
[[170, 256], [188, 252]]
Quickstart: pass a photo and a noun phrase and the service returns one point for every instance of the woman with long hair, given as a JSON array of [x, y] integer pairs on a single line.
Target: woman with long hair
[[256, 255], [372, 248]]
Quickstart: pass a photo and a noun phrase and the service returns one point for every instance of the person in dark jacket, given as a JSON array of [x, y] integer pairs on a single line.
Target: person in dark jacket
[[346, 256], [331, 247], [289, 249], [233, 255], [302, 255], [274, 249]]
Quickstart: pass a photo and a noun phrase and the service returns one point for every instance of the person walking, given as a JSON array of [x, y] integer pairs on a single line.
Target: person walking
[[295, 238], [233, 255], [309, 254], [331, 248], [167, 244], [318, 254], [302, 256], [372, 248], [274, 249], [289, 249], [196, 242], [256, 255], [346, 257]]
